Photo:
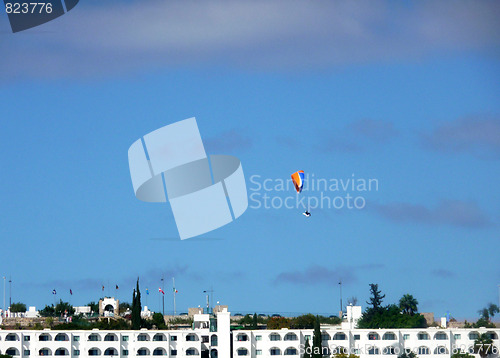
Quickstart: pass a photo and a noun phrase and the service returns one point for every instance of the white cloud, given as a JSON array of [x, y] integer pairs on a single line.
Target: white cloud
[[255, 35]]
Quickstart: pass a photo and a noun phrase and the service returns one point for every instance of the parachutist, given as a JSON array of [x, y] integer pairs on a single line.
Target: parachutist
[[306, 213]]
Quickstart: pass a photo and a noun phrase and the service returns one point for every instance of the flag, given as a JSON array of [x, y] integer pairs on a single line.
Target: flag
[[147, 291], [175, 291], [161, 291], [54, 291], [116, 286], [103, 287], [70, 292]]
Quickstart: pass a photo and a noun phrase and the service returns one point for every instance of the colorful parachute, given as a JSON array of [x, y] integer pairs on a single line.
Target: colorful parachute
[[298, 180]]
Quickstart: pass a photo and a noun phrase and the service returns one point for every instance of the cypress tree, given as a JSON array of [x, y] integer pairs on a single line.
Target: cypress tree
[[316, 347], [255, 321], [307, 349], [136, 308]]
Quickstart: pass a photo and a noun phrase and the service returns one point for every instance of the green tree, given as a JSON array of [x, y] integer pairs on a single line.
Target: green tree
[[307, 350], [483, 345], [159, 321], [407, 354], [136, 308], [484, 313], [48, 311], [94, 307], [18, 307], [376, 297], [408, 304], [124, 306], [5, 356], [278, 323], [63, 308], [317, 347], [462, 355], [493, 309], [255, 321]]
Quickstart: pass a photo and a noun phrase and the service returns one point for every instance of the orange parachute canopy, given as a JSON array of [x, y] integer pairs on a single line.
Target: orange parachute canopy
[[298, 180]]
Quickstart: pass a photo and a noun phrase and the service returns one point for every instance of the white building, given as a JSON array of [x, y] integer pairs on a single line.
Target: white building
[[211, 337], [429, 342]]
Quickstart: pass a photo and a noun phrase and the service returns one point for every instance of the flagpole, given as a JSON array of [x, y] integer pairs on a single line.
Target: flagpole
[[163, 295], [173, 282]]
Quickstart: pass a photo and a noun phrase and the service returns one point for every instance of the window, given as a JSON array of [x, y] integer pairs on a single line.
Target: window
[[242, 337], [291, 337], [26, 352], [373, 336], [258, 338], [373, 350], [173, 338], [357, 351], [76, 338], [11, 337], [94, 337], [125, 352], [258, 352], [308, 337], [191, 338], [26, 338], [76, 352], [441, 350], [406, 336], [192, 352], [473, 335], [242, 351], [290, 351], [44, 337], [94, 352], [325, 337], [275, 351], [159, 352], [41, 352], [357, 337], [124, 338], [275, 337], [389, 336], [389, 350], [457, 336], [213, 340], [110, 337], [142, 337], [61, 337], [110, 352], [143, 352], [339, 337], [423, 350], [173, 352], [422, 336], [159, 337], [441, 336]]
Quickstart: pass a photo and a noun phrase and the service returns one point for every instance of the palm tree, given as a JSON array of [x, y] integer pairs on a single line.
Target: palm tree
[[408, 304], [492, 309], [483, 345]]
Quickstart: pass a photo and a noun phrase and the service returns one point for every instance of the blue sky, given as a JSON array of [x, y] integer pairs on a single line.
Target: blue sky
[[407, 94]]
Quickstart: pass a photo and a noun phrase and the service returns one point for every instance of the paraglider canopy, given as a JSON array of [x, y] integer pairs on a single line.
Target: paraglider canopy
[[298, 180]]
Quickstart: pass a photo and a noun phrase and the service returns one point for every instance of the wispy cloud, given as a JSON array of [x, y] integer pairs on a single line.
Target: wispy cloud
[[360, 135], [477, 135], [112, 36], [443, 273], [227, 142], [447, 212], [319, 274]]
